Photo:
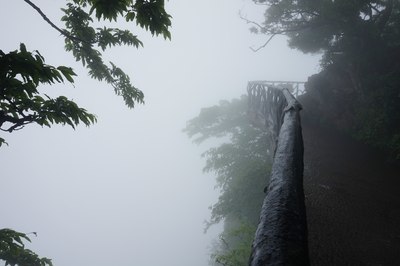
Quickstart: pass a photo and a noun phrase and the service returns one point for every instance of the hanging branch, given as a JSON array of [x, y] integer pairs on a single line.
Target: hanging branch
[[63, 32], [262, 29], [265, 44]]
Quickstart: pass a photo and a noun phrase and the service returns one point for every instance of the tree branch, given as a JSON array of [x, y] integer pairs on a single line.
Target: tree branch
[[63, 32], [18, 123], [251, 22], [260, 3], [265, 44]]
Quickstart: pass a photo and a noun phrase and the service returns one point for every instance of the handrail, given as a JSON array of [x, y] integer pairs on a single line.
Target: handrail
[[281, 236], [295, 87]]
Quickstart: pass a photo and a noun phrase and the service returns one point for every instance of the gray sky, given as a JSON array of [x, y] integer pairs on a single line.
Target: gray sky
[[129, 190]]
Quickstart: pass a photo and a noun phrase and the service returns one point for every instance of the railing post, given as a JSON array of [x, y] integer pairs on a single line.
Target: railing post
[[281, 236]]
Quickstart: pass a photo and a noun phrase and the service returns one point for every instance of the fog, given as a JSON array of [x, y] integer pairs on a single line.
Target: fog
[[130, 190]]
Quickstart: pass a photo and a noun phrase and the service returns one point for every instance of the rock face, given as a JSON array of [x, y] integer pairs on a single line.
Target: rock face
[[330, 99], [369, 113], [352, 200]]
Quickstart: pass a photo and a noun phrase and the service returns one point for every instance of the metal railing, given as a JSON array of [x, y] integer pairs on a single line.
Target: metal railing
[[281, 236], [294, 87]]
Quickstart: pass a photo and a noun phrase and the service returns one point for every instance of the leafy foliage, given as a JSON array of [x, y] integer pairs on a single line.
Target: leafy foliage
[[13, 251], [152, 16], [81, 37], [241, 163], [21, 72], [235, 246]]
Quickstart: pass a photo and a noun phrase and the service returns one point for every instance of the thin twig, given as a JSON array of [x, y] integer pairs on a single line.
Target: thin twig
[[251, 22], [265, 44], [261, 3], [272, 35]]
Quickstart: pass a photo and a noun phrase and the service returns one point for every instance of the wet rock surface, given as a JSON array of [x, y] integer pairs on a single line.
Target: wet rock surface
[[352, 201]]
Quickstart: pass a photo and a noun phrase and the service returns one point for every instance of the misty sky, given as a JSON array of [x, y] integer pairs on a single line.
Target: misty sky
[[130, 189]]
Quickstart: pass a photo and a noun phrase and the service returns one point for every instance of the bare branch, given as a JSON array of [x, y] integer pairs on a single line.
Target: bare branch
[[264, 29], [251, 22], [265, 44], [260, 3]]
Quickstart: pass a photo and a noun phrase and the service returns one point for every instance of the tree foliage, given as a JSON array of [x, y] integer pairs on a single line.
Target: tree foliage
[[13, 251], [241, 163], [86, 42], [87, 35], [360, 42], [235, 246], [23, 71], [329, 25]]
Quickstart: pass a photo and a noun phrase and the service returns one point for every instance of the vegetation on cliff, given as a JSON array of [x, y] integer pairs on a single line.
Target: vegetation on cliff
[[358, 89], [241, 162]]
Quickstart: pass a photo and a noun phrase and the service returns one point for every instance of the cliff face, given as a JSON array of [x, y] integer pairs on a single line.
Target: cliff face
[[352, 191], [369, 113], [329, 99], [352, 200]]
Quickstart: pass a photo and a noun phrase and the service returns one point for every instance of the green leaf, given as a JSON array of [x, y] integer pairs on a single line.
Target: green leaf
[[2, 141], [67, 72]]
